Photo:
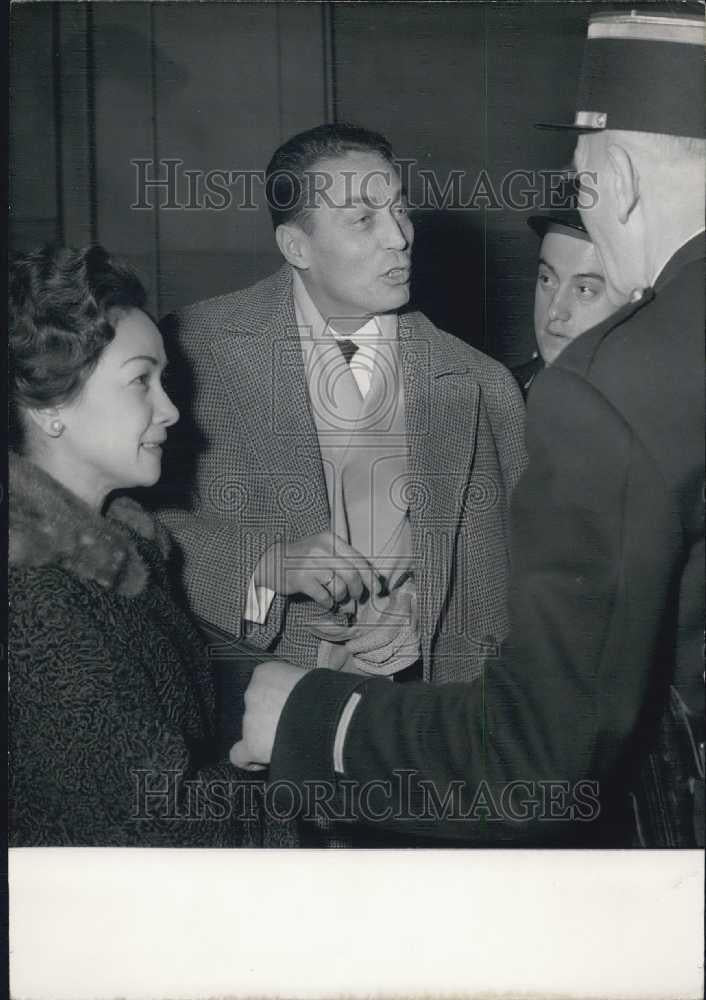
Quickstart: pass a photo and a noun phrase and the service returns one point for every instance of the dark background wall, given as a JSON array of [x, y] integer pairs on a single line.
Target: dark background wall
[[218, 86]]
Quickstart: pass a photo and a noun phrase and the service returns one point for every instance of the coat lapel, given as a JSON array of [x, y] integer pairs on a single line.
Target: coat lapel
[[262, 369], [441, 404]]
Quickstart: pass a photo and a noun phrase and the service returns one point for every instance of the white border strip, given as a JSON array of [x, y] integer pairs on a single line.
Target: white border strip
[[137, 924]]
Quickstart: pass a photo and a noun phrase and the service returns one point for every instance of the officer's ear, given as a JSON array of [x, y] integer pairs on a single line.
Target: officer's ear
[[625, 180], [293, 243]]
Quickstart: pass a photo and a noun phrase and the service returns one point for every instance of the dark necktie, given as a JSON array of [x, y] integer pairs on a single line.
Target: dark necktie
[[348, 349]]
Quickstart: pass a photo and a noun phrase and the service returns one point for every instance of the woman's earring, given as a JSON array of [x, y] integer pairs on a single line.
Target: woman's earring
[[57, 428]]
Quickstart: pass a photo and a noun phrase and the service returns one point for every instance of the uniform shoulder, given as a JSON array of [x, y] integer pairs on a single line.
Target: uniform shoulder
[[645, 334]]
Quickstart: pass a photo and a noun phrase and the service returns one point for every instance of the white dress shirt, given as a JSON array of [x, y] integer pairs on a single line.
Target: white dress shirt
[[259, 599]]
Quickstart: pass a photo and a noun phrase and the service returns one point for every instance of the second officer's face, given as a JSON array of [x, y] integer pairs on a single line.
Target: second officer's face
[[570, 295], [357, 241]]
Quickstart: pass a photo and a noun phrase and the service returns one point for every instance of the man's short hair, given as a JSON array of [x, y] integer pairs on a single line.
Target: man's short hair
[[288, 173]]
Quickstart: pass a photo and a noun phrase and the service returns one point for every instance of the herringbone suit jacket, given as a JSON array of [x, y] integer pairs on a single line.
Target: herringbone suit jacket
[[244, 469]]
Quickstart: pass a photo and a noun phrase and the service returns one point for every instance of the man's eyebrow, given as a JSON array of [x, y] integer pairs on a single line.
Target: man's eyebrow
[[141, 357], [590, 274], [358, 201], [547, 265], [354, 202]]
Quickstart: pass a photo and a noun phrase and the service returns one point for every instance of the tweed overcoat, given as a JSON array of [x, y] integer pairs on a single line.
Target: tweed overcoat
[[244, 468], [601, 678], [111, 692]]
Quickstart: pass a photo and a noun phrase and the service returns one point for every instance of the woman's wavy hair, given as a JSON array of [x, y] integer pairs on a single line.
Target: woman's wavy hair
[[63, 306]]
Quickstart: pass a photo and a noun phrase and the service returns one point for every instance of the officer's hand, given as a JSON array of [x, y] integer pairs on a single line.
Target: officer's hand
[[265, 698]]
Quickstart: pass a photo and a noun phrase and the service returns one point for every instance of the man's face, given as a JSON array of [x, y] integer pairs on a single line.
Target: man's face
[[621, 248], [570, 295], [358, 241]]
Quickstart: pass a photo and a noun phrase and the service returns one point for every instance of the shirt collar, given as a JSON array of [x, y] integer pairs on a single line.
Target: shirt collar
[[384, 325]]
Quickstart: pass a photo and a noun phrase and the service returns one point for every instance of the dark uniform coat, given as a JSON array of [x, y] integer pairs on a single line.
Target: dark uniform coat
[[526, 373], [601, 679]]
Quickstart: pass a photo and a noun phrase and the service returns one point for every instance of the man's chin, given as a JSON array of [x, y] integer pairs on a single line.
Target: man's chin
[[395, 298], [551, 346]]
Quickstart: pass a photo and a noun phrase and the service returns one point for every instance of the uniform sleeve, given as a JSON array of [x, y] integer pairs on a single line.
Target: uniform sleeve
[[596, 546], [96, 758]]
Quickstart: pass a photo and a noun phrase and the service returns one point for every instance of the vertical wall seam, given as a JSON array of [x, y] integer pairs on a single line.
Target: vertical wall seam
[[485, 161], [58, 123], [278, 59], [329, 61], [155, 161], [91, 114]]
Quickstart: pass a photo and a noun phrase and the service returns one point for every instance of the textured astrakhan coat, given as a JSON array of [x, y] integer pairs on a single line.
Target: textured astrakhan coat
[[110, 688]]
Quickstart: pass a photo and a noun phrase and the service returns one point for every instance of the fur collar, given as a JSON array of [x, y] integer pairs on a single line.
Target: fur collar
[[49, 525]]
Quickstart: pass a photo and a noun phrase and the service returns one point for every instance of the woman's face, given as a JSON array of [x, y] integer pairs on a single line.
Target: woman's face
[[114, 429]]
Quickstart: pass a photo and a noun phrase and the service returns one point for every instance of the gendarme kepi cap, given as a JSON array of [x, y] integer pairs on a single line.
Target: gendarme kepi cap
[[641, 72]]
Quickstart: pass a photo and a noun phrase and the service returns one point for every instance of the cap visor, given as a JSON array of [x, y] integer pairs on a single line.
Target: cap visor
[[567, 127], [541, 227]]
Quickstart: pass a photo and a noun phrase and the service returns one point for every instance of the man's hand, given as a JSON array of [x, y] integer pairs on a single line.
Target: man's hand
[[383, 640], [265, 697], [396, 619], [324, 567]]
